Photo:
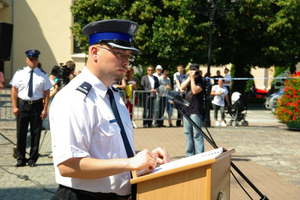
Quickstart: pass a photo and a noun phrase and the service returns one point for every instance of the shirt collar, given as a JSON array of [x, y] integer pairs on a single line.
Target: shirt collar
[[98, 86]]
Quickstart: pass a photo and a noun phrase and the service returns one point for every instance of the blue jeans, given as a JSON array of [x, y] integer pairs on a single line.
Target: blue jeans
[[194, 139], [169, 108]]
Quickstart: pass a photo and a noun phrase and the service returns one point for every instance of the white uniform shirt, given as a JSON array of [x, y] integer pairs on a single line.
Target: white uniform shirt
[[41, 83], [219, 99], [227, 78], [84, 126]]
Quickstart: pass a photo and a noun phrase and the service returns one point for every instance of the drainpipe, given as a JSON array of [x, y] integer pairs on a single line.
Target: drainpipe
[[12, 43]]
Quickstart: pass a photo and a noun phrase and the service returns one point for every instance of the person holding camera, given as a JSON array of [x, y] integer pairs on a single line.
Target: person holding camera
[[91, 132], [195, 85], [72, 66]]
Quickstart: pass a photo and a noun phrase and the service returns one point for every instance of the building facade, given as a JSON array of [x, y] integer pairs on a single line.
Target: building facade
[[43, 25]]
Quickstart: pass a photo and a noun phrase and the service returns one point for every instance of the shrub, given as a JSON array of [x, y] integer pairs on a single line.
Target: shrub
[[288, 104]]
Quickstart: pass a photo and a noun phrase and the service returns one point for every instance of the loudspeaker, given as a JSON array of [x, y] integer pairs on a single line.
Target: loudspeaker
[[6, 31]]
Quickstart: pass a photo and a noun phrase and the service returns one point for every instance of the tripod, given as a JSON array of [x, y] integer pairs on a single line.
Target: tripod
[[211, 141]]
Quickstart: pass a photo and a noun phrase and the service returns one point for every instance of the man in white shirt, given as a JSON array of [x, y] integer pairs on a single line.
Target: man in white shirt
[[93, 147], [30, 99], [158, 71], [158, 100]]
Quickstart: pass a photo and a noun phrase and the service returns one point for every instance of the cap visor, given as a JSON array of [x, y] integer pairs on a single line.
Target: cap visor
[[134, 50]]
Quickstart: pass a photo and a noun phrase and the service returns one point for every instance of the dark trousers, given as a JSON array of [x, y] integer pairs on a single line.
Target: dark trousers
[[160, 106], [148, 104], [179, 115], [29, 114], [66, 193]]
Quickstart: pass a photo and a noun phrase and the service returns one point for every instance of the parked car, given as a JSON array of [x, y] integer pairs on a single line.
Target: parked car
[[261, 93], [271, 101]]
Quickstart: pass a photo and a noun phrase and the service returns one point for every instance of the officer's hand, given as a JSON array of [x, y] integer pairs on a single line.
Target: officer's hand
[[16, 112], [43, 115], [162, 155], [143, 160]]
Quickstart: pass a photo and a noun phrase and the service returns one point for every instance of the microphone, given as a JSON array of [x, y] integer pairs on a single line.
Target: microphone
[[164, 92]]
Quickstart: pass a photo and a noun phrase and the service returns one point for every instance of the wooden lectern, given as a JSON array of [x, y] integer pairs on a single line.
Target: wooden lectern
[[204, 180]]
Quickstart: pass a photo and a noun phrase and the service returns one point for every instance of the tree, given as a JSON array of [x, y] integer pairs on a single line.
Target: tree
[[261, 33], [169, 32]]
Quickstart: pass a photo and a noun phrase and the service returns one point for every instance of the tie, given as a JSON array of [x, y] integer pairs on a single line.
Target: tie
[[30, 84], [123, 133]]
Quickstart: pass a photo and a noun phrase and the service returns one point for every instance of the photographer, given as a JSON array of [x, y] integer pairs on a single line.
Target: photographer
[[195, 85], [72, 67], [63, 76]]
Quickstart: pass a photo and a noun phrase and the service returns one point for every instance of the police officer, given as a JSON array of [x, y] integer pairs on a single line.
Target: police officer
[[30, 98], [93, 150]]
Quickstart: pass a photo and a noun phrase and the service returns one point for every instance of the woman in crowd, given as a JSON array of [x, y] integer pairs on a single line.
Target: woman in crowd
[[131, 85], [220, 93], [53, 78]]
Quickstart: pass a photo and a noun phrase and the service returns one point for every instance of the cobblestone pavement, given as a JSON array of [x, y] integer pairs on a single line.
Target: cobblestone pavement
[[264, 141]]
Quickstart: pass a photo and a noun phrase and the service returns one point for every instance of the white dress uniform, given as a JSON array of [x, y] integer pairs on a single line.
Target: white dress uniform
[[41, 83], [83, 125]]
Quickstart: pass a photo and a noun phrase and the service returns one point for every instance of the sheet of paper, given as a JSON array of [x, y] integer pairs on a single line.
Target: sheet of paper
[[189, 160]]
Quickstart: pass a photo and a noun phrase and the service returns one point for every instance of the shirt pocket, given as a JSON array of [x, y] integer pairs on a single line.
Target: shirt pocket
[[38, 83], [110, 129]]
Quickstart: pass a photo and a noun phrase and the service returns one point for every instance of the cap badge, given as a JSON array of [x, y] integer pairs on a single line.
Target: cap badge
[[132, 29]]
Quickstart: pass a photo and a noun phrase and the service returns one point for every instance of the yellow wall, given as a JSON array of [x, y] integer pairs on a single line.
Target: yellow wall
[[258, 73], [43, 25]]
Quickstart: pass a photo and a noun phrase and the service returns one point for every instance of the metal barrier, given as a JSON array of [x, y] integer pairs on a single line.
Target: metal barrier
[[136, 112], [6, 113], [138, 102]]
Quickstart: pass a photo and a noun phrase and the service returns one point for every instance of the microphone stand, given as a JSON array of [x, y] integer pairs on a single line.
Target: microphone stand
[[213, 144]]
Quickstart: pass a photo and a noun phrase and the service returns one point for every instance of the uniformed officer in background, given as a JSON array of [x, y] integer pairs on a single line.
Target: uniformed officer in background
[[93, 150], [30, 98]]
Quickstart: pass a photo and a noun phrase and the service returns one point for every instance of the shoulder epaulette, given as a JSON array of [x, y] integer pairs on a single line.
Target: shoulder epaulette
[[20, 69], [84, 88], [115, 89], [43, 71]]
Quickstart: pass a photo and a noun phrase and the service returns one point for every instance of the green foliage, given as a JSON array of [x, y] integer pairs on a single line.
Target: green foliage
[[260, 33], [280, 70], [241, 85]]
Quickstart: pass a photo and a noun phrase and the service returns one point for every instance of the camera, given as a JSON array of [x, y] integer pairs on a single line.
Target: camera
[[197, 73], [64, 72], [63, 75]]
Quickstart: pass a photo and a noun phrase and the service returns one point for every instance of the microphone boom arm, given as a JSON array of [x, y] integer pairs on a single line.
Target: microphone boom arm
[[213, 144]]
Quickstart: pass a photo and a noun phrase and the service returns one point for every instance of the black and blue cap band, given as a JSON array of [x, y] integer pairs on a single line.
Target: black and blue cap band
[[116, 33], [32, 53], [95, 38]]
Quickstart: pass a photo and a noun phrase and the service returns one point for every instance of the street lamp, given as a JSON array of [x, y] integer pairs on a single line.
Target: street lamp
[[212, 13]]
